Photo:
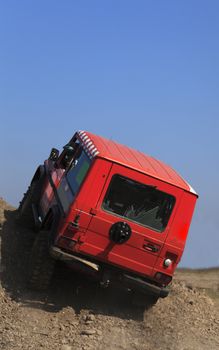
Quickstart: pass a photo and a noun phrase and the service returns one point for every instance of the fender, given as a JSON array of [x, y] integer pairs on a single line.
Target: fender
[[51, 222], [39, 174]]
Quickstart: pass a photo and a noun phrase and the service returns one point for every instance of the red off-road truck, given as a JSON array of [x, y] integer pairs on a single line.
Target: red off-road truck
[[114, 213]]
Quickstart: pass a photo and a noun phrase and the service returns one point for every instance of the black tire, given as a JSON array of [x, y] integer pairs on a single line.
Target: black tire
[[145, 301], [41, 264], [32, 196]]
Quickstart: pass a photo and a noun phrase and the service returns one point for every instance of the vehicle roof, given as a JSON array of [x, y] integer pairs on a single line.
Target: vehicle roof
[[98, 146]]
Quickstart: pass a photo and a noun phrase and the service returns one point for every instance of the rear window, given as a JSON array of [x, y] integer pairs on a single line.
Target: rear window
[[141, 203]]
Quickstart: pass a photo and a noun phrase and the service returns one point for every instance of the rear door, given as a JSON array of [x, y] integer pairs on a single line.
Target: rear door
[[145, 205]]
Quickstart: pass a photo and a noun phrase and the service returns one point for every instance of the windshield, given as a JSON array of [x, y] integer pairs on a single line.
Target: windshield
[[78, 171], [141, 203]]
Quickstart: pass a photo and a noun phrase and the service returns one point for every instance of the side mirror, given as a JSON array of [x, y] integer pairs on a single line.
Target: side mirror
[[54, 154], [68, 149]]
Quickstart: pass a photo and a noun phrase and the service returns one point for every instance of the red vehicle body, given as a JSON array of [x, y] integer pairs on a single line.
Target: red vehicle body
[[115, 213]]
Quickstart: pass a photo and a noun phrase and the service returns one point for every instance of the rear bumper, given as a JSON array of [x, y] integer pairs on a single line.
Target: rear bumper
[[109, 275], [145, 287]]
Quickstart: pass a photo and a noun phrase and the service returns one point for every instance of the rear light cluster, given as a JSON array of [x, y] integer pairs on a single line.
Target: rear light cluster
[[173, 257], [167, 262], [162, 278], [170, 259], [66, 242]]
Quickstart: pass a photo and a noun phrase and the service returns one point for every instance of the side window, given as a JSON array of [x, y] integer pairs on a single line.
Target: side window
[[78, 171], [138, 202]]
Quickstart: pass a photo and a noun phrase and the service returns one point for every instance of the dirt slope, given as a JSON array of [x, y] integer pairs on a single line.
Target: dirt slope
[[76, 314]]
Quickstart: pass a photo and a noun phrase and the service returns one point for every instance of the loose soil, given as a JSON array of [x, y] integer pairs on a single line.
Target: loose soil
[[76, 314]]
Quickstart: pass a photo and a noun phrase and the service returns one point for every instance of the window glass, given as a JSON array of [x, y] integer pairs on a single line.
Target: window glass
[[138, 202], [78, 171]]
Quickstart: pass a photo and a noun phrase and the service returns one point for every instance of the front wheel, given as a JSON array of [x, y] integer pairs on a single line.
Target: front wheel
[[32, 196], [41, 264]]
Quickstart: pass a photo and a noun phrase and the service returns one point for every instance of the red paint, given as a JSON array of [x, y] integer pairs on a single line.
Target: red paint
[[87, 224]]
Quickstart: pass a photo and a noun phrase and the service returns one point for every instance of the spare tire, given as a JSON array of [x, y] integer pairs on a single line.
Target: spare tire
[[120, 232]]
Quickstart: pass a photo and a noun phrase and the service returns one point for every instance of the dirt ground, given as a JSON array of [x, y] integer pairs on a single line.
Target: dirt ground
[[76, 314]]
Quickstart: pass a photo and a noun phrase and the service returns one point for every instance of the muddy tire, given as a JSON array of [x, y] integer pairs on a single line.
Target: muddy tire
[[41, 264], [32, 196]]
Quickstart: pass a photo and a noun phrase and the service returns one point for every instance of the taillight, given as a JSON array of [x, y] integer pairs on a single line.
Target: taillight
[[170, 260], [171, 256], [66, 242], [167, 262], [72, 229], [162, 278]]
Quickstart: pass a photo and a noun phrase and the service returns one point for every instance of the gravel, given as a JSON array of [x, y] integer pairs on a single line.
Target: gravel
[[76, 314]]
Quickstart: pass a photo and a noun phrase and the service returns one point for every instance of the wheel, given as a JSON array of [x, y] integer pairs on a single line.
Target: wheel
[[41, 264], [25, 213], [145, 301]]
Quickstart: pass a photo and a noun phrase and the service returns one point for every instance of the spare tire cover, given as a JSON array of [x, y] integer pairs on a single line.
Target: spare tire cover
[[120, 232]]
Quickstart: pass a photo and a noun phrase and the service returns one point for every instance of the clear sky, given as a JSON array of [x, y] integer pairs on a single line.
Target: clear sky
[[144, 73]]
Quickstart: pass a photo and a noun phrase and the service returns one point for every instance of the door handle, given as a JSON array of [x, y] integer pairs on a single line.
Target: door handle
[[151, 248]]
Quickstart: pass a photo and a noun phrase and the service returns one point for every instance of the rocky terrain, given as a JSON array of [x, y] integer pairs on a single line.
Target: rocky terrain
[[76, 314]]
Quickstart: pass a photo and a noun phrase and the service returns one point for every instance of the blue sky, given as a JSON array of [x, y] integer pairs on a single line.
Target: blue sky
[[144, 73]]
